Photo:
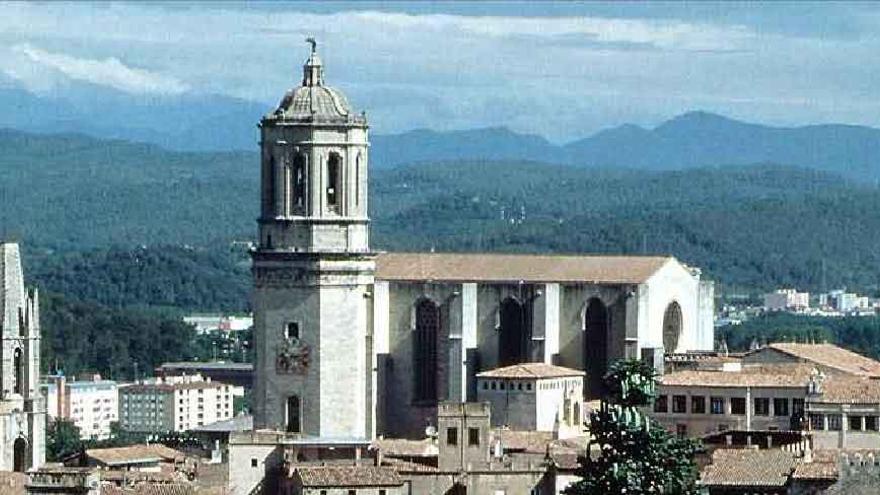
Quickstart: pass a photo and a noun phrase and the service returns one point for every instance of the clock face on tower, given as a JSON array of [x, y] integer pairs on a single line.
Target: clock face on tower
[[293, 357]]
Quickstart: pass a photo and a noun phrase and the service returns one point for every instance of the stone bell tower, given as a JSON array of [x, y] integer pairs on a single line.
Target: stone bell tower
[[313, 269]]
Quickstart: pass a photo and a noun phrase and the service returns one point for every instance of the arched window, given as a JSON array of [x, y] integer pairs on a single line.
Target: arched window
[[595, 345], [334, 183], [294, 419], [299, 184], [270, 187], [514, 333], [425, 339], [18, 365], [357, 180], [19, 455], [671, 327]]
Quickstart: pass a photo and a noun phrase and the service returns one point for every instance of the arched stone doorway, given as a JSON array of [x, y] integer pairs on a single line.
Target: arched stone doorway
[[671, 327], [19, 455], [513, 336], [595, 345]]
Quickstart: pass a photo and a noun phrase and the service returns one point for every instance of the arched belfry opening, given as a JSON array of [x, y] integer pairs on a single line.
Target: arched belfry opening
[[595, 345], [513, 337], [19, 455], [298, 187], [672, 326], [425, 343], [334, 183]]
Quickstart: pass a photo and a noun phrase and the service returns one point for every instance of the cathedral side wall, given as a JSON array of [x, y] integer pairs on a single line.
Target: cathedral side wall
[[404, 416], [573, 303]]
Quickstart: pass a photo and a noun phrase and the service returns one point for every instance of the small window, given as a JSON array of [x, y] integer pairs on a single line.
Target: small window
[[451, 436], [762, 406], [323, 492], [717, 405], [660, 404], [292, 330], [797, 407], [871, 423], [528, 386], [738, 405], [834, 422], [855, 423], [382, 492], [679, 404], [473, 436], [780, 407], [817, 422], [485, 385], [698, 405], [352, 492], [254, 462], [493, 385], [502, 386]]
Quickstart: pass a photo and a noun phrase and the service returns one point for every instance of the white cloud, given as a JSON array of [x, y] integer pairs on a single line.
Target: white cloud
[[108, 72]]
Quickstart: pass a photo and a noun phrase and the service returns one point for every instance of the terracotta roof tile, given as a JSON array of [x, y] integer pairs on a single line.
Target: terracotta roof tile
[[346, 476], [534, 442], [401, 447], [831, 356], [530, 370], [135, 454], [749, 467], [775, 375], [826, 471], [483, 267], [837, 389]]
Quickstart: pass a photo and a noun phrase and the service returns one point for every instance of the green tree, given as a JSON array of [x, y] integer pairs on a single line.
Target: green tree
[[628, 452], [62, 439]]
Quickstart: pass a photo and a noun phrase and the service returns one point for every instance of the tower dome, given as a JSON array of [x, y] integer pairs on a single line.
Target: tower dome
[[312, 101]]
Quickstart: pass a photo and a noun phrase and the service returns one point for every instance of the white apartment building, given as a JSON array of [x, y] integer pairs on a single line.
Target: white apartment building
[[92, 405], [175, 403], [786, 299]]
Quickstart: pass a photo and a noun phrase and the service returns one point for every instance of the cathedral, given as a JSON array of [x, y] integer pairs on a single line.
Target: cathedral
[[353, 344], [22, 408]]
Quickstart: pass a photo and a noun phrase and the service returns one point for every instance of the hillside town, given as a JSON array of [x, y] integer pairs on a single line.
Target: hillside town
[[360, 371]]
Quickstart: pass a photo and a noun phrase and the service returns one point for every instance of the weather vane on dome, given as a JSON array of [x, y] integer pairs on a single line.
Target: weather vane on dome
[[311, 40]]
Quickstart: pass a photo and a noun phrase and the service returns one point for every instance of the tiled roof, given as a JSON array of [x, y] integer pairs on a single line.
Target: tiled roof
[[771, 375], [534, 442], [242, 422], [831, 356], [483, 267], [530, 370], [749, 468], [837, 389], [135, 454], [346, 476], [150, 489], [401, 447], [814, 471], [402, 466]]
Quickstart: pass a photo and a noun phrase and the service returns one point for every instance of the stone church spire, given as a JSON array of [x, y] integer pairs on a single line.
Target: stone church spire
[[313, 70]]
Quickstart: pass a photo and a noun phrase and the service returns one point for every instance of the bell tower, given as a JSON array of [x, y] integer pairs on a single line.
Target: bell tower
[[313, 269]]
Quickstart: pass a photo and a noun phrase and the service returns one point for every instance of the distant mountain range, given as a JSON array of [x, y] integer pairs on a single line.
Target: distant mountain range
[[219, 123]]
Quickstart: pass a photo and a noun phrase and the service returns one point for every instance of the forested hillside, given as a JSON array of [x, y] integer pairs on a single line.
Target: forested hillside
[[97, 218]]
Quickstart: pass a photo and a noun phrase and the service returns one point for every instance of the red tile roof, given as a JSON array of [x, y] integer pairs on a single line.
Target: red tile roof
[[530, 370], [484, 267], [831, 356], [346, 476]]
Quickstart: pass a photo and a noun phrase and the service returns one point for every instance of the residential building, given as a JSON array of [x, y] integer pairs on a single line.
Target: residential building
[[342, 480], [535, 397], [751, 471], [239, 374], [92, 405], [223, 323], [175, 403], [786, 300]]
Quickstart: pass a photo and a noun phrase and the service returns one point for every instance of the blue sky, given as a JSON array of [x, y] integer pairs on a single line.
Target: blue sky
[[562, 70]]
